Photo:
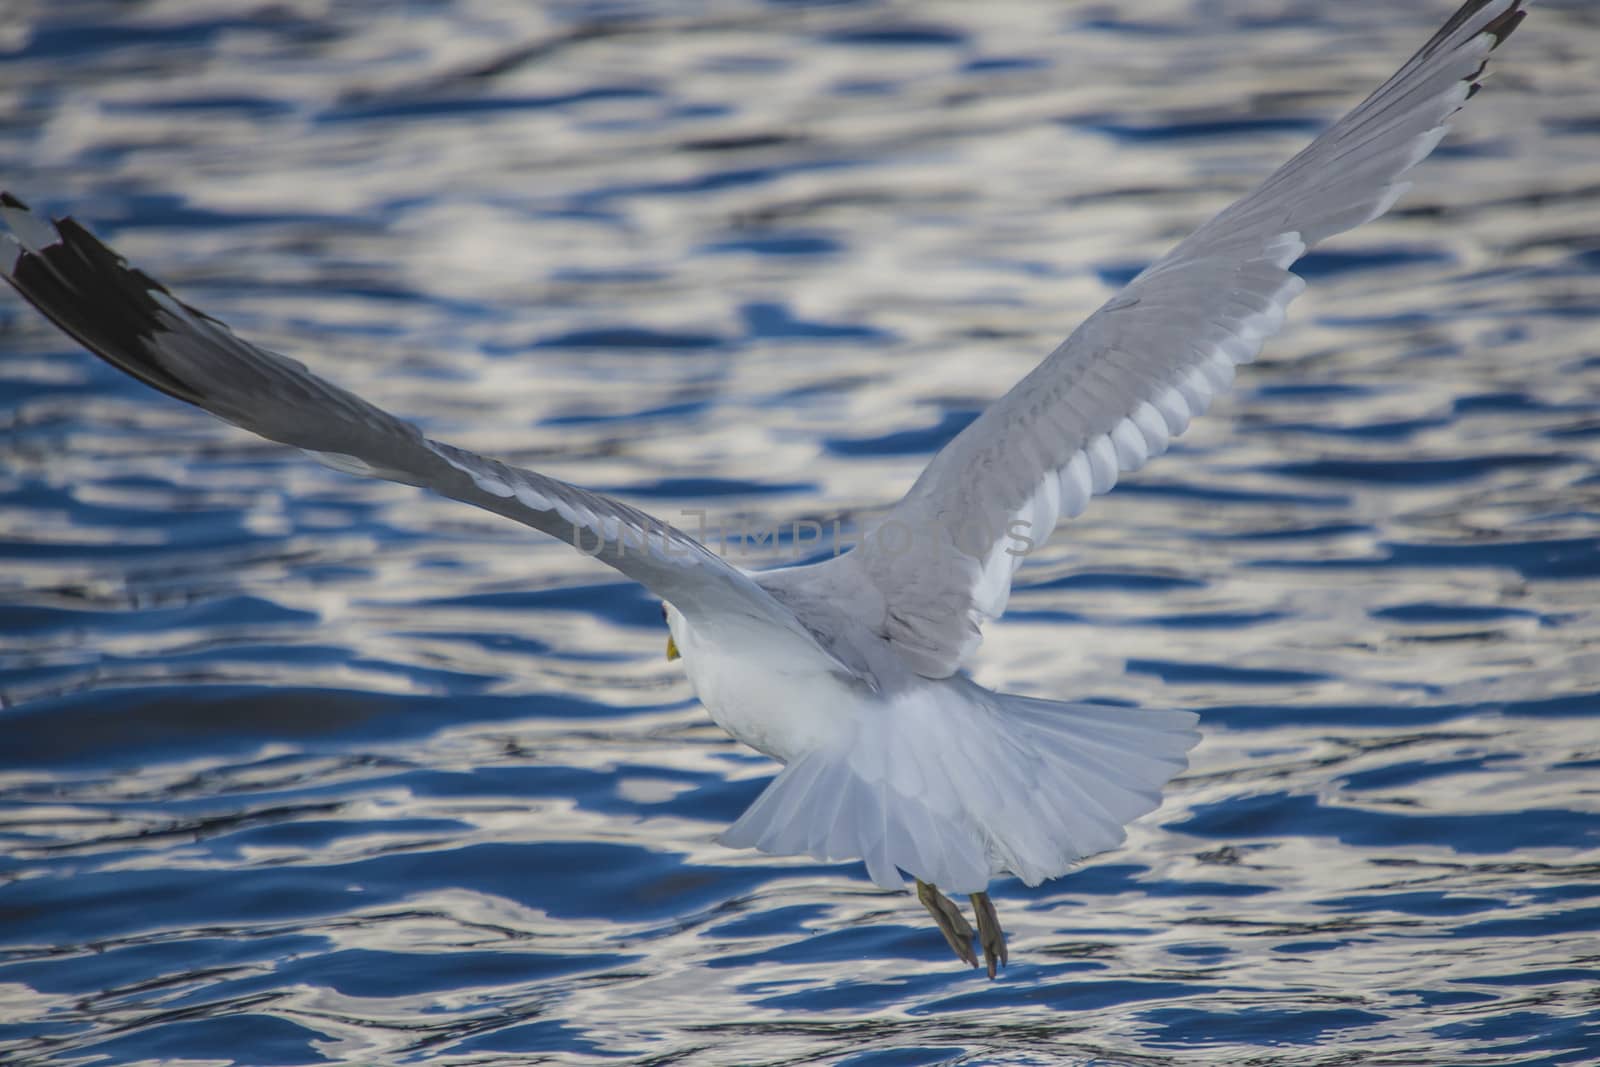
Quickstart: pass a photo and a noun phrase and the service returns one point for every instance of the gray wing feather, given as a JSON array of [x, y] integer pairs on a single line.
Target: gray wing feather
[[1134, 373], [131, 321]]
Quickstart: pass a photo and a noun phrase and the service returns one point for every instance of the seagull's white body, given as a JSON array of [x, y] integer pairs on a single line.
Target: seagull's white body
[[938, 777], [850, 671], [767, 688]]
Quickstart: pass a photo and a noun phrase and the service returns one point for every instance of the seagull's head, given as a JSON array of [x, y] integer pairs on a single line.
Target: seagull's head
[[674, 619]]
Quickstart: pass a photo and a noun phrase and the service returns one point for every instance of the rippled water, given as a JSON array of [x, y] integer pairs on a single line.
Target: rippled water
[[296, 768]]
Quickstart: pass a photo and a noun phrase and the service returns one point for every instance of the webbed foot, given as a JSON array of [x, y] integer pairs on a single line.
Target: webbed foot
[[990, 936], [957, 931]]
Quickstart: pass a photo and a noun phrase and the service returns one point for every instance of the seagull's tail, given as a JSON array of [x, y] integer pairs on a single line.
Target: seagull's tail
[[955, 789]]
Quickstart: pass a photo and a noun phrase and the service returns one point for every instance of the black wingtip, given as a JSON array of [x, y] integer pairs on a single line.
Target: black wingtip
[[1465, 13], [92, 294], [1502, 27]]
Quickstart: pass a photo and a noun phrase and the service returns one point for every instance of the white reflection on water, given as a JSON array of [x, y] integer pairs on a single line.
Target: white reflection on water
[[455, 806]]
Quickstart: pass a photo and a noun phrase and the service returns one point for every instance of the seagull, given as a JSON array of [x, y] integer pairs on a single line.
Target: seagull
[[850, 671]]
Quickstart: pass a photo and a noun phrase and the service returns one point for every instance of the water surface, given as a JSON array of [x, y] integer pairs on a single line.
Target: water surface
[[296, 768]]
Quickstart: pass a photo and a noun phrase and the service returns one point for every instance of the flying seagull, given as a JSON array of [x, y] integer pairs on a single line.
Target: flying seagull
[[849, 671]]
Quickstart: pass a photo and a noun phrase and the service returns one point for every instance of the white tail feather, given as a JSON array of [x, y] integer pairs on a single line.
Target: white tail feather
[[956, 790]]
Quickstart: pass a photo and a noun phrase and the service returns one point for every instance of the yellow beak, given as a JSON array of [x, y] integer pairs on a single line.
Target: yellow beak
[[672, 649]]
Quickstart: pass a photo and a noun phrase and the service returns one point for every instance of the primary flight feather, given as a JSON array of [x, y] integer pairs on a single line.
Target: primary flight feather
[[849, 671]]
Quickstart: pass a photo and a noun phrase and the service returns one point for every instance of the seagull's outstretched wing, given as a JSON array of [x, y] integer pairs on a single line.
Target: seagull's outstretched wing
[[1134, 373], [131, 321]]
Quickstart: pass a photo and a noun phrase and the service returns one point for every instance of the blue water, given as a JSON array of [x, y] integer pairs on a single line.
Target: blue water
[[296, 768]]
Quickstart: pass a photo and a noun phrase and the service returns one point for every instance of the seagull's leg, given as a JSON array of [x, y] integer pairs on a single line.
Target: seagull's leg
[[952, 924], [990, 936]]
